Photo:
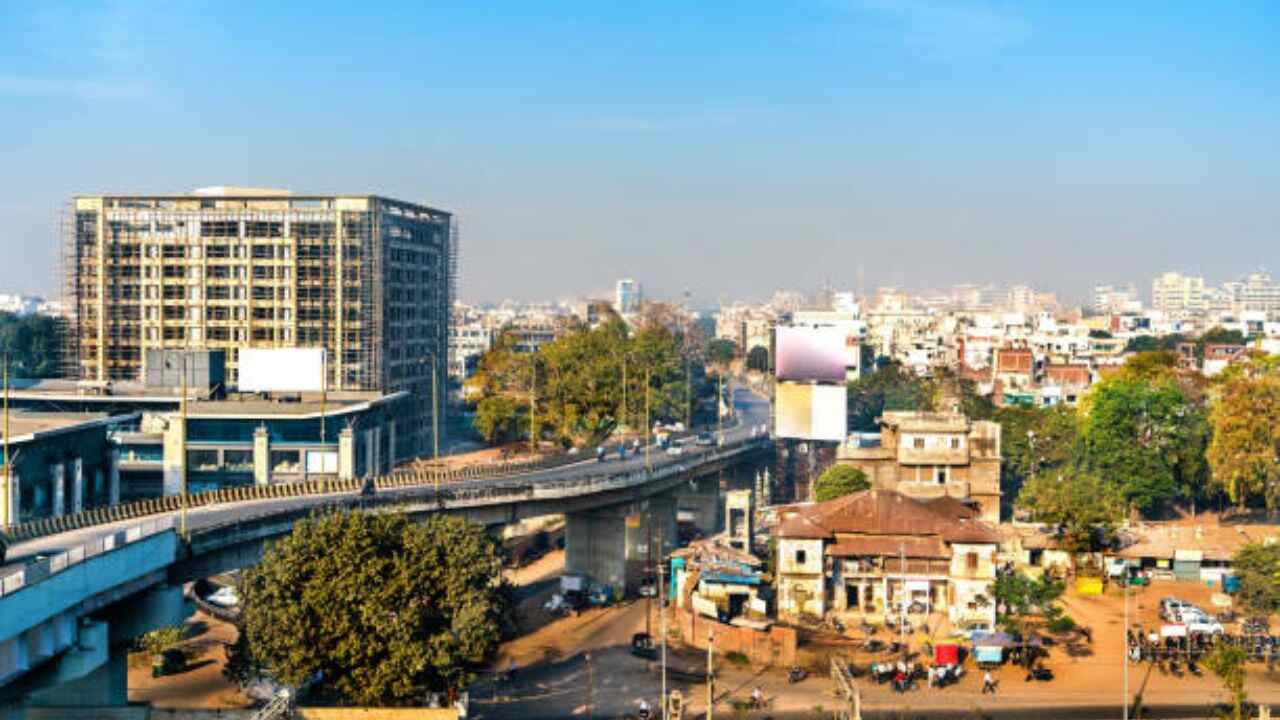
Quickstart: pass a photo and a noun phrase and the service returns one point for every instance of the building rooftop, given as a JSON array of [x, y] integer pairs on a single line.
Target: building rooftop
[[916, 421], [25, 426], [884, 514]]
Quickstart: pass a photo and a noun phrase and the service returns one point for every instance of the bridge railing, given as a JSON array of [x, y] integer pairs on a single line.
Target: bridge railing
[[446, 497], [434, 477], [44, 567]]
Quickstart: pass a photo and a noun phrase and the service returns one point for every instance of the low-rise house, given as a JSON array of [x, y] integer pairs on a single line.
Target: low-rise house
[[867, 554], [930, 455], [1189, 552], [718, 581]]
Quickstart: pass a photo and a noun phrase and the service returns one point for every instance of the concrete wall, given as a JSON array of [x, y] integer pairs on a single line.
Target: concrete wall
[[775, 647]]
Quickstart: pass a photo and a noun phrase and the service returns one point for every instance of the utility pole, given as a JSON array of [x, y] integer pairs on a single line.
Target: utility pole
[[648, 423], [9, 513], [533, 405], [662, 624], [183, 529], [711, 673], [1124, 710], [648, 600]]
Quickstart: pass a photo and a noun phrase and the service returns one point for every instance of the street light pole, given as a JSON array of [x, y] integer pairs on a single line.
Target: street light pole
[[711, 674], [648, 422], [662, 623], [1124, 710]]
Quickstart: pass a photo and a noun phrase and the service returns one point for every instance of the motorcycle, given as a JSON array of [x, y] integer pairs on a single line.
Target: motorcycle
[[796, 674]]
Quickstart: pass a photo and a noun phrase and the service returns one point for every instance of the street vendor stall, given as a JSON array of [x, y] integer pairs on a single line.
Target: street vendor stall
[[988, 648]]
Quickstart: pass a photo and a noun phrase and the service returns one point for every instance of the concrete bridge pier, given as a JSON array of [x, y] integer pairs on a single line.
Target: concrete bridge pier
[[611, 546]]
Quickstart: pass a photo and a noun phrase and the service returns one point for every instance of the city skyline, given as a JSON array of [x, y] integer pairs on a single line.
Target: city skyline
[[771, 147]]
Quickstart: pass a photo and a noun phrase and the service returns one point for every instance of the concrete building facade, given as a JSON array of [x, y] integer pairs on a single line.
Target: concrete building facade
[[368, 278], [931, 455]]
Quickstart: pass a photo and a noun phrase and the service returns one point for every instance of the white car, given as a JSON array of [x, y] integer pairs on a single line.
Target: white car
[[225, 596], [1204, 625], [675, 450]]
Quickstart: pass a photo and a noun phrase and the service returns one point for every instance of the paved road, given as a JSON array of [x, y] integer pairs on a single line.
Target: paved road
[[752, 411]]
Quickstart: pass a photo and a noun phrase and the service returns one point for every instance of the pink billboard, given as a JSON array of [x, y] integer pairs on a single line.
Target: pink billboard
[[811, 354]]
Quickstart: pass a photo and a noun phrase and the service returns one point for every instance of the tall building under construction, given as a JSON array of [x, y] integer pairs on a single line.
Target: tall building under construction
[[367, 278]]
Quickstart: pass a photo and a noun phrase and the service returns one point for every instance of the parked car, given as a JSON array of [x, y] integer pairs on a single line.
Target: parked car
[[705, 440], [1171, 608], [1205, 625], [675, 450]]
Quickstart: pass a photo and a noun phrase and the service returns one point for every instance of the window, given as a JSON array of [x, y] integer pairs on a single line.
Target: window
[[800, 557], [917, 443], [955, 443], [941, 475], [971, 561]]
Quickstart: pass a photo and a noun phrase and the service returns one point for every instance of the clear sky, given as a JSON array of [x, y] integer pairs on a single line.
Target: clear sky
[[729, 148]]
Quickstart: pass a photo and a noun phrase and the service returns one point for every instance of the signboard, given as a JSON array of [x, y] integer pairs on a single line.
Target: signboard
[[814, 354], [281, 370], [811, 412]]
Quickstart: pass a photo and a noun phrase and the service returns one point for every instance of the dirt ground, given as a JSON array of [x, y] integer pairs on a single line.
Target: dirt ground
[[1085, 673], [202, 684]]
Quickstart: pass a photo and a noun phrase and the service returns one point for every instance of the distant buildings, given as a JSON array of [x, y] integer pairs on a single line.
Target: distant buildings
[[1116, 299], [1177, 294], [628, 296]]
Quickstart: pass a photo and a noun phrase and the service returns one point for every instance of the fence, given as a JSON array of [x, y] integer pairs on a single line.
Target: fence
[[43, 568]]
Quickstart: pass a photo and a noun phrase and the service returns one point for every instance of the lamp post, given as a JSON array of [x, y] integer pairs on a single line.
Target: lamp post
[[711, 673]]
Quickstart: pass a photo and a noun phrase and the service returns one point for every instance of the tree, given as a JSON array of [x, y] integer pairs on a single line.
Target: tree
[[31, 342], [1144, 436], [1244, 452], [1227, 662], [377, 609], [1034, 440], [1083, 507], [1258, 567], [1018, 596], [720, 352], [838, 481], [758, 359], [888, 387]]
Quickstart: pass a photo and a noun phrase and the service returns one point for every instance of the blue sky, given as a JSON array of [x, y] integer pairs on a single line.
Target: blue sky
[[728, 148]]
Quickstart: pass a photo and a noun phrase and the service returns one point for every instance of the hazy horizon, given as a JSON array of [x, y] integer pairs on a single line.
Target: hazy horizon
[[729, 149]]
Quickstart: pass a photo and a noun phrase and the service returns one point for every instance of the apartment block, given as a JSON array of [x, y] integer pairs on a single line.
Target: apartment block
[[367, 278]]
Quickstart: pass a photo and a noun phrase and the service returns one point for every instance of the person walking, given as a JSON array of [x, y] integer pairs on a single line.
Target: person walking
[[988, 683]]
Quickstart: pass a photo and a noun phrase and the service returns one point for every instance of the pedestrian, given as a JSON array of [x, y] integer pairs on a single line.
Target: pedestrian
[[933, 673], [988, 683]]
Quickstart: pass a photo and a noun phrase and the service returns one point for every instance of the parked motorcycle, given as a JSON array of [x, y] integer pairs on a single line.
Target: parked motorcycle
[[796, 674]]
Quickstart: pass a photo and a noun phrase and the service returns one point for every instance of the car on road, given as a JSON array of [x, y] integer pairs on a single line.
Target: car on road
[[705, 440], [675, 450]]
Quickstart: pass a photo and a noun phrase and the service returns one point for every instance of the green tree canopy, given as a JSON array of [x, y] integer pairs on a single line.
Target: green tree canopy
[[588, 381], [380, 609], [1144, 436], [1034, 440], [1244, 452], [31, 342], [888, 387], [838, 481], [1258, 567], [1019, 596], [1081, 506], [721, 352]]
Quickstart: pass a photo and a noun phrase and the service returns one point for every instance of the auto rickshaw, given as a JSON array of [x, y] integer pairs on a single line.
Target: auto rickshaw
[[642, 646]]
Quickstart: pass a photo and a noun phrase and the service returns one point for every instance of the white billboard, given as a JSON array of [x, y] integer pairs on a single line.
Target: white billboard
[[811, 353], [811, 412], [281, 370]]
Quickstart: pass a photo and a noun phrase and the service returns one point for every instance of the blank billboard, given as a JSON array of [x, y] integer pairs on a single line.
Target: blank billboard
[[806, 353], [281, 370], [811, 412]]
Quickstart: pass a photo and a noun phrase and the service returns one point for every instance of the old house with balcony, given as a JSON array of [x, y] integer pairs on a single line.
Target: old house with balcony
[[876, 554], [931, 455]]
